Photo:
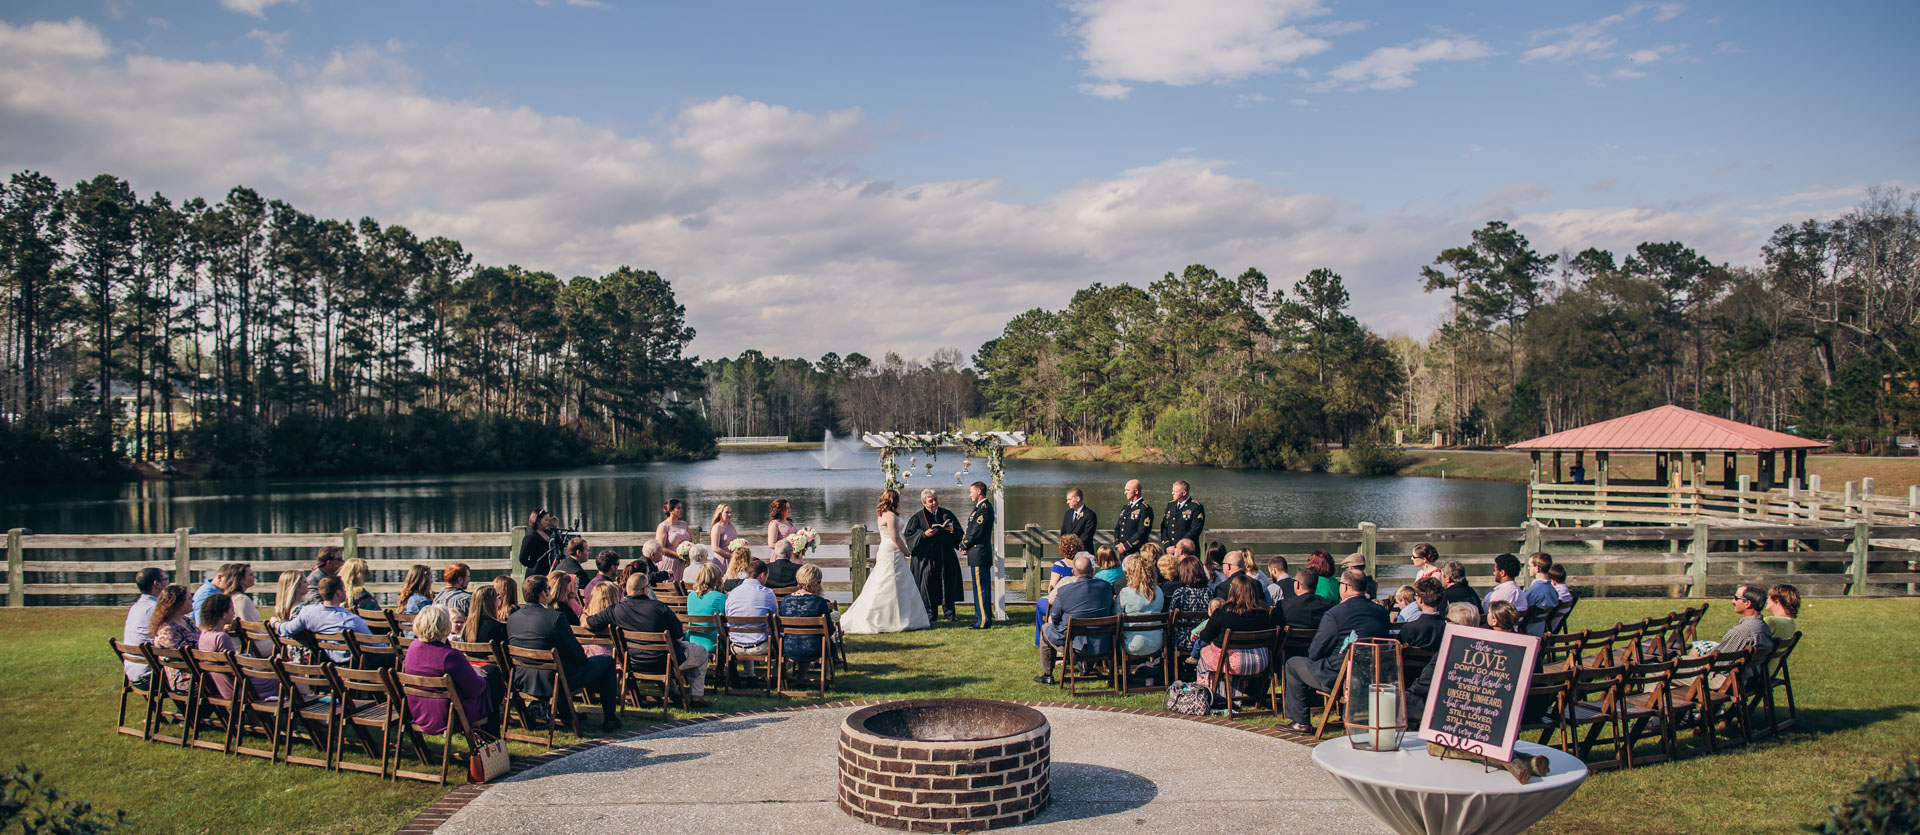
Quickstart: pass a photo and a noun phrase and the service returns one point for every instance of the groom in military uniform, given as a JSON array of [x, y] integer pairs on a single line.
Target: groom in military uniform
[[1185, 519], [931, 535], [979, 547]]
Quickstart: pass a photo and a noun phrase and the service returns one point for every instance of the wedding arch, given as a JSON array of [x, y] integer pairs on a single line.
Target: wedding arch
[[988, 446]]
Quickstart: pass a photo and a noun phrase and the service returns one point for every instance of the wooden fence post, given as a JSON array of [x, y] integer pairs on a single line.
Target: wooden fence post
[[16, 568], [1035, 574], [857, 558], [1698, 569], [518, 571], [1860, 546], [349, 543], [1369, 534], [183, 557], [1532, 543]]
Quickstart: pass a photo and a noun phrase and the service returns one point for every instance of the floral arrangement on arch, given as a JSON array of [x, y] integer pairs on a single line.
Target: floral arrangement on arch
[[972, 444]]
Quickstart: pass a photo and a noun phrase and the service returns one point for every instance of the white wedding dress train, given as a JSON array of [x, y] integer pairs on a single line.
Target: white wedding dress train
[[890, 602]]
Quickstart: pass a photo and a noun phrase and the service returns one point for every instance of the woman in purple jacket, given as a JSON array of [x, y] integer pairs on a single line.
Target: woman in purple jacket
[[431, 656]]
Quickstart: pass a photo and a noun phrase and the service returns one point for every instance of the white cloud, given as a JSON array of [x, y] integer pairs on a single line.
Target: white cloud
[[1106, 90], [1181, 43], [1594, 41], [1392, 67], [272, 44], [588, 4], [72, 40], [257, 8]]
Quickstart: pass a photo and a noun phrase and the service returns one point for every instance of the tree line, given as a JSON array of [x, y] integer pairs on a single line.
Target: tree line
[[261, 338], [755, 394]]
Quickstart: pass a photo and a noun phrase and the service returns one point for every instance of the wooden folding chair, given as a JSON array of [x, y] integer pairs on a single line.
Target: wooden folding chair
[[1644, 708], [1594, 702], [1560, 615], [781, 593], [820, 627], [273, 714], [1231, 641], [669, 678], [232, 711], [1778, 675], [1558, 652], [1596, 647], [131, 654], [1161, 622], [558, 702], [1547, 693], [1071, 659], [1694, 616], [400, 623], [326, 645], [676, 602], [1181, 641], [1725, 696], [760, 625], [376, 620], [714, 628], [437, 687], [1686, 696], [171, 703], [374, 652], [259, 640], [1626, 647], [1335, 701], [671, 588], [365, 700], [1293, 641], [311, 705], [480, 655]]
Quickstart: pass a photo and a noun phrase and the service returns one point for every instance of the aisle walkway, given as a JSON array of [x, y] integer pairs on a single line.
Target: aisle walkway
[[776, 773]]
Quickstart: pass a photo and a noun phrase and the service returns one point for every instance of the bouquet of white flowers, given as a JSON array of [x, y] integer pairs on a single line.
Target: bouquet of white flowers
[[685, 549], [803, 540], [736, 544]]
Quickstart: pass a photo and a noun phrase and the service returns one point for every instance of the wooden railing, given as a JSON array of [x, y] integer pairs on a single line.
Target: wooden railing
[[1791, 505], [1843, 558]]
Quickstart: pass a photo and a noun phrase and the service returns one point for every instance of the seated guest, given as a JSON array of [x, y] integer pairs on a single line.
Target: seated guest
[[785, 569], [1279, 582], [430, 655], [1241, 611], [486, 618], [139, 626], [573, 562], [1216, 563], [172, 629], [286, 603], [1355, 616], [243, 580], [1086, 597], [637, 612], [1541, 595], [1557, 575], [207, 589], [536, 625], [699, 556], [455, 598], [1237, 564], [1455, 576], [1506, 578], [1359, 561], [704, 599], [604, 597], [1163, 562], [1321, 563], [1426, 560], [1425, 629], [1465, 614], [737, 565], [1502, 616], [359, 597], [1749, 604], [328, 617], [1305, 609], [509, 591], [416, 592], [1783, 607], [565, 600], [1187, 593], [750, 599], [1142, 596], [1058, 572], [1107, 567], [1404, 607], [326, 563], [218, 619], [805, 602]]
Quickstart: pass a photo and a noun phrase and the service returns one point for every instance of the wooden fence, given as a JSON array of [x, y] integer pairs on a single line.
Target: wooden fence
[[1678, 503], [1672, 560]]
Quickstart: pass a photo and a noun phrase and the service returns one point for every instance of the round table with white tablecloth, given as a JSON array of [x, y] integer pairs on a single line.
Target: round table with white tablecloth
[[1415, 793]]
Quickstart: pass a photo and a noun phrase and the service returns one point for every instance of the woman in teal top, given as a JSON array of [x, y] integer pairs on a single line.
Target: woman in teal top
[[1142, 596], [705, 599], [1107, 568]]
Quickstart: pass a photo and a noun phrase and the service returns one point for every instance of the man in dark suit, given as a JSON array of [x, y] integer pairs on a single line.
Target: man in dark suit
[[931, 536], [978, 543], [1184, 519], [638, 612], [1304, 609], [1455, 576], [536, 626], [569, 564], [1086, 597], [1355, 616], [1425, 631], [1080, 520], [1135, 525]]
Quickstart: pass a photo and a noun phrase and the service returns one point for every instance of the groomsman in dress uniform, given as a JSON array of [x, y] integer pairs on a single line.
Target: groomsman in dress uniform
[[978, 543], [1136, 522], [1080, 520], [1185, 518]]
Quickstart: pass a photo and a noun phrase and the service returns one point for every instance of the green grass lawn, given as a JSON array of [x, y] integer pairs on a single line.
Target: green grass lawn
[[1855, 683]]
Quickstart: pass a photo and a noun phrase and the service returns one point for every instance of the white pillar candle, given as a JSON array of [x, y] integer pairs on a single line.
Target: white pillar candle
[[1383, 712]]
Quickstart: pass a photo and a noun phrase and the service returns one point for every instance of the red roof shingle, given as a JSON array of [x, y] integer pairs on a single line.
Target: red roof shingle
[[1669, 428]]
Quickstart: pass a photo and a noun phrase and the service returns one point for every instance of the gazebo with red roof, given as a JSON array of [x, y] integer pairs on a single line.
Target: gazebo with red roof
[[1670, 434]]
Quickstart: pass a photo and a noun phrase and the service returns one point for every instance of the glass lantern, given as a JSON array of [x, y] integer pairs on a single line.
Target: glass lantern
[[1376, 710]]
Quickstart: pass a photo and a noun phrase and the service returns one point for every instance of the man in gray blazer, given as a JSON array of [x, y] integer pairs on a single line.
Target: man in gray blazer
[[1086, 597]]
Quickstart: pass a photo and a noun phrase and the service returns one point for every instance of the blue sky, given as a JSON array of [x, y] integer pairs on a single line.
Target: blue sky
[[796, 169]]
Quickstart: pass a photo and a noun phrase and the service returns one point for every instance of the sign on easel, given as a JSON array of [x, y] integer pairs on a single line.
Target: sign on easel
[[1479, 692]]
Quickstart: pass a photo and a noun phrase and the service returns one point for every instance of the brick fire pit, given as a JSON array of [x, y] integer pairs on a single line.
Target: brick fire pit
[[944, 765]]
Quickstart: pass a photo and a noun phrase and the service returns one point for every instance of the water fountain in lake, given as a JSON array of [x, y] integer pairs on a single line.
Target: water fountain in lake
[[833, 451]]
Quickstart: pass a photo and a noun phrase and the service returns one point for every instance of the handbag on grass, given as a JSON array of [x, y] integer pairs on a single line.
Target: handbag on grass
[[1188, 698], [489, 759]]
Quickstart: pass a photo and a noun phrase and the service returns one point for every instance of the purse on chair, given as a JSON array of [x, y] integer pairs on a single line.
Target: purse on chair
[[489, 760]]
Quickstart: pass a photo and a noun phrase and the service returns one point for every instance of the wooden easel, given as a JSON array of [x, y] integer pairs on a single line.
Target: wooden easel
[[1523, 768]]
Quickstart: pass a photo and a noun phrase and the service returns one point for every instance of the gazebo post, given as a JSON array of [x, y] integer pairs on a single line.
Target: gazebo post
[[1660, 467], [1533, 477], [1765, 469], [1729, 474], [1800, 465], [1556, 466], [1600, 461], [1698, 477]]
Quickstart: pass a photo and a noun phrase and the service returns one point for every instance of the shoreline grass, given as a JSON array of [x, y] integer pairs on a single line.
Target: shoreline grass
[[1854, 677]]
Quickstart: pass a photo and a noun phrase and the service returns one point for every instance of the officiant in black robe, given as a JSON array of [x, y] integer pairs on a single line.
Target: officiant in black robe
[[933, 541]]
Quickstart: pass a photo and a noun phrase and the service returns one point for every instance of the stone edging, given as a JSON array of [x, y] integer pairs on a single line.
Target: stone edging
[[432, 817]]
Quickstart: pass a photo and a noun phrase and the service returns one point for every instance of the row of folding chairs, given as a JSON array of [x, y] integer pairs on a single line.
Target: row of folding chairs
[[319, 703], [1648, 639]]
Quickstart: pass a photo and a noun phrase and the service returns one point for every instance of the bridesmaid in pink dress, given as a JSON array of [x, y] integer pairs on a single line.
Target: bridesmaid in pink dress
[[780, 522], [720, 531], [670, 534]]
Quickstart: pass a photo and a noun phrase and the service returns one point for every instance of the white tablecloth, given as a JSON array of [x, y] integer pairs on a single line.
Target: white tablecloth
[[1417, 794]]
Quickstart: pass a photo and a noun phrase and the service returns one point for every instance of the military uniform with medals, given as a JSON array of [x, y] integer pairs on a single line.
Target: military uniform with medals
[[1184, 520], [1135, 526]]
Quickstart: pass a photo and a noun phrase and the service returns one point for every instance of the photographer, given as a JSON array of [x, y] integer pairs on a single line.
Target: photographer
[[537, 551]]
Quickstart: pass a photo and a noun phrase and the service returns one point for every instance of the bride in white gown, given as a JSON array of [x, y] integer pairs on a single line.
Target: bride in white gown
[[890, 602]]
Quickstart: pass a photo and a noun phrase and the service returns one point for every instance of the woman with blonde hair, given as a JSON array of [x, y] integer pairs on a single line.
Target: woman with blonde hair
[[704, 599], [737, 566], [720, 531], [604, 596], [509, 592], [357, 576], [565, 600], [1142, 596]]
